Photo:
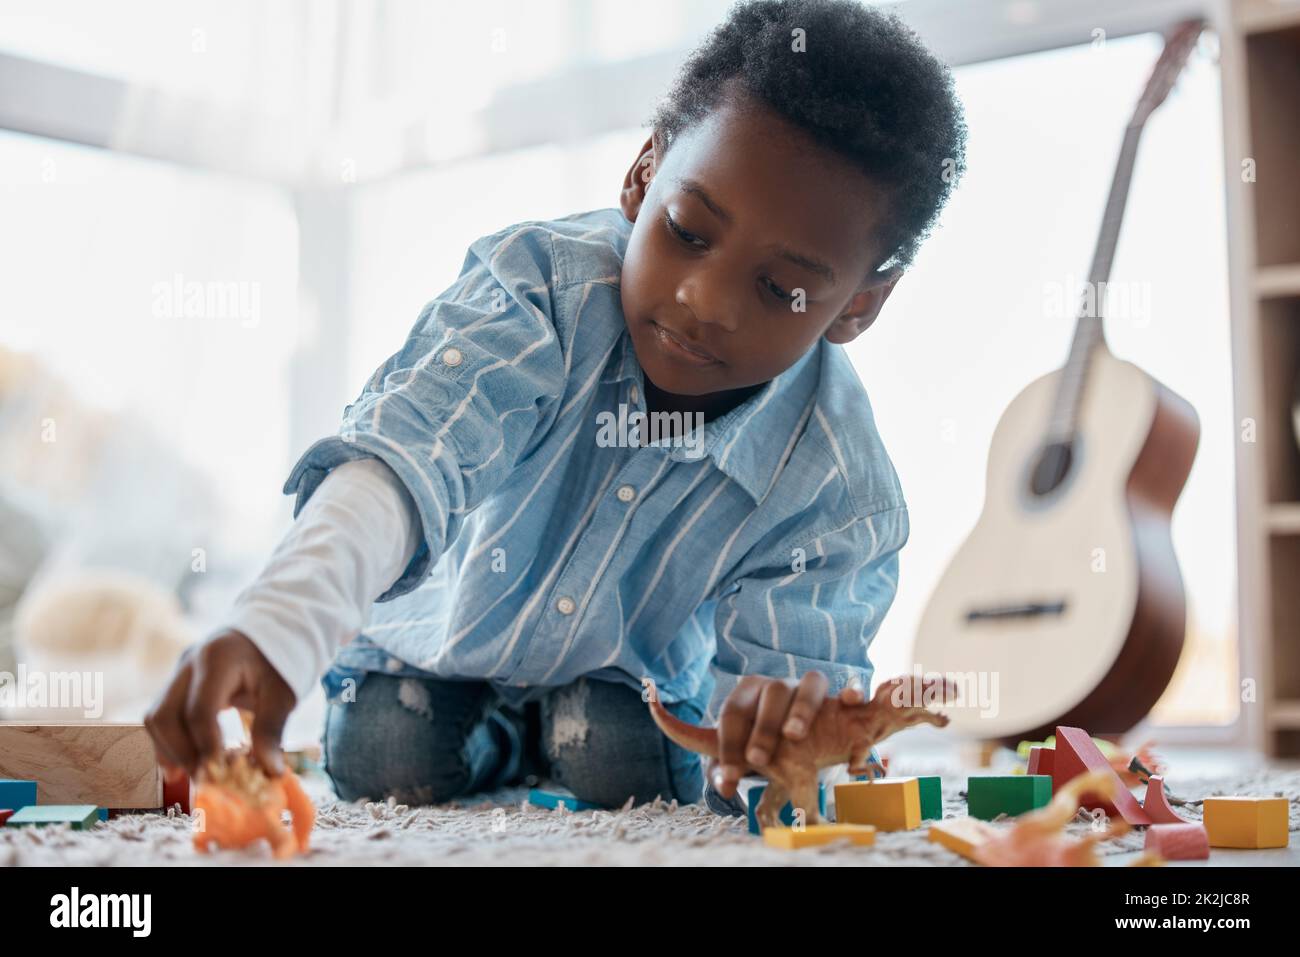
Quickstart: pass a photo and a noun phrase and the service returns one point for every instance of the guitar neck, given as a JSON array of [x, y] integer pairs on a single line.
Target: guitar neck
[[1088, 331]]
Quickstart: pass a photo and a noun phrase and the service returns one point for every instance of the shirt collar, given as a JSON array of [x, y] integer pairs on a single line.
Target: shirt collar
[[751, 442]]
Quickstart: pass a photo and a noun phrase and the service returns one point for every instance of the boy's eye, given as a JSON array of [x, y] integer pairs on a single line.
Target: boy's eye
[[777, 291], [688, 238]]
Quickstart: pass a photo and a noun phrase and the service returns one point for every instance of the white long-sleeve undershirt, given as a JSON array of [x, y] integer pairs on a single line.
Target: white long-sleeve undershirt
[[351, 541]]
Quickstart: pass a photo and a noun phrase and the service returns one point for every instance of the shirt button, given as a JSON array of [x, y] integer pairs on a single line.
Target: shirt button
[[626, 493], [452, 357], [632, 394], [565, 605]]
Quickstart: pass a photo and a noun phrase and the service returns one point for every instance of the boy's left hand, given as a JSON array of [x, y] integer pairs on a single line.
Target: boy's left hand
[[757, 713]]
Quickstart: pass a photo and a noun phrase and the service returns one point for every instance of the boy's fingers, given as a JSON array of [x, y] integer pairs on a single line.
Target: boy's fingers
[[773, 705], [267, 733], [211, 689], [853, 694], [275, 702], [808, 699], [165, 723], [734, 725]]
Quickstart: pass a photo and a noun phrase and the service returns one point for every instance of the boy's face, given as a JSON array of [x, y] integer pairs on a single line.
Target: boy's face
[[742, 212]]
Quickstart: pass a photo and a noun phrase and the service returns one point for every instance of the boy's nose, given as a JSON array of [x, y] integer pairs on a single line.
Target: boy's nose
[[708, 303]]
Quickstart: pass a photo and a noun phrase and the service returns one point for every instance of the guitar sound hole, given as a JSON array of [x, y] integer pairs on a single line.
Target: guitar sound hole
[[1052, 468], [1030, 609]]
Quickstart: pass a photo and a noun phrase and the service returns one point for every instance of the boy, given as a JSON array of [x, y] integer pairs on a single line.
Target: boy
[[488, 562]]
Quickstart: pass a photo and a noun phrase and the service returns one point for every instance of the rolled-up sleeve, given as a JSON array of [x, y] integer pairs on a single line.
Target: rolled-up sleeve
[[812, 603], [451, 413]]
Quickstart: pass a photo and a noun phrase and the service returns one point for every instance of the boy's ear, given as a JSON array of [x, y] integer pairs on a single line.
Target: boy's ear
[[638, 178], [863, 308]]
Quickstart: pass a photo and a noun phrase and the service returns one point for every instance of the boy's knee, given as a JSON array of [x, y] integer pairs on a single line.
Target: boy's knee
[[392, 741], [602, 744]]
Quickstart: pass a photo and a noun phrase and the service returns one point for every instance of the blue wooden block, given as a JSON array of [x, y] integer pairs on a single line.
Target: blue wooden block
[[17, 794], [103, 814], [787, 812], [553, 799]]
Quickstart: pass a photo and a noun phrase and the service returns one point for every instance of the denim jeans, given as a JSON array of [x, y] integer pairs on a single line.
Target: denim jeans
[[428, 740]]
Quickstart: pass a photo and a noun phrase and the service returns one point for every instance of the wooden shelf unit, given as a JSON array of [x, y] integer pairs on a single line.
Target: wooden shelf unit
[[1260, 58]]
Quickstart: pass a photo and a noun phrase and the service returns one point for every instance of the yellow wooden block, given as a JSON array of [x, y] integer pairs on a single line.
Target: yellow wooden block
[[1247, 821], [962, 834], [813, 834], [892, 804]]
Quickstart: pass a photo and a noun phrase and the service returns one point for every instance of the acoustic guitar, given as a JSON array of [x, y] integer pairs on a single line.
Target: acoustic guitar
[[1067, 592]]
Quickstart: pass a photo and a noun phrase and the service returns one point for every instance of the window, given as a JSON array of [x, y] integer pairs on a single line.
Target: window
[[975, 321]]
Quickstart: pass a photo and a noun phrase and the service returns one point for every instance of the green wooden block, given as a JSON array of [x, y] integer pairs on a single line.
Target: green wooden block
[[80, 816], [989, 795], [931, 798]]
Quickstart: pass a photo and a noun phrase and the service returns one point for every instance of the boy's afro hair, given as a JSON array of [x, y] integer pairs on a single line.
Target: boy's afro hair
[[864, 86]]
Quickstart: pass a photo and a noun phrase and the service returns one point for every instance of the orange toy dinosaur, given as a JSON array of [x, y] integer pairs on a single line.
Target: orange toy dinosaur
[[237, 804], [1038, 839], [842, 733]]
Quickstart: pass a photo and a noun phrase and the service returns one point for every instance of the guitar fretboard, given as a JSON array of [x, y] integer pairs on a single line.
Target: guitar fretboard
[[1088, 331]]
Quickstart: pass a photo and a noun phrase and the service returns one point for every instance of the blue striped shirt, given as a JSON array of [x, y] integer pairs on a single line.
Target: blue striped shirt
[[767, 544]]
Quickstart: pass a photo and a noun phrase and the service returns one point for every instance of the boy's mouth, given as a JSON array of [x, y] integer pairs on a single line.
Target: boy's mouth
[[676, 347]]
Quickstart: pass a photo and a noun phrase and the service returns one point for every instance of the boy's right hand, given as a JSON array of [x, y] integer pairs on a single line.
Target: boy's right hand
[[227, 670]]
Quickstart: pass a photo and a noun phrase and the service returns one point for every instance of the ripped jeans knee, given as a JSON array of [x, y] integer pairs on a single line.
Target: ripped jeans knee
[[413, 739], [602, 744]]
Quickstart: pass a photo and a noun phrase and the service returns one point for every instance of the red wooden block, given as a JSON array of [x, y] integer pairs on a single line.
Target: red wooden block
[[5, 814], [1179, 842], [1076, 753], [1156, 803], [176, 793], [1040, 760]]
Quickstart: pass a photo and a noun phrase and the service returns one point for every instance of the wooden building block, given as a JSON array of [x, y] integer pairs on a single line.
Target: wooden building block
[[931, 791], [962, 835], [1156, 803], [1076, 752], [177, 792], [16, 794], [1179, 842], [554, 799], [989, 795], [1247, 821], [1040, 760], [814, 834], [108, 764], [303, 759], [987, 749], [5, 814], [787, 812], [79, 816], [892, 804]]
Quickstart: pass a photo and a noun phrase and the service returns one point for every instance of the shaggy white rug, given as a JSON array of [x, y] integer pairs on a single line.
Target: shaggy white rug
[[502, 828]]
